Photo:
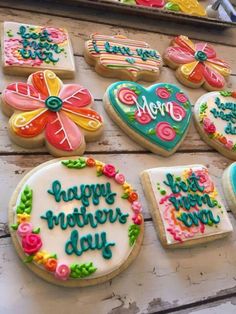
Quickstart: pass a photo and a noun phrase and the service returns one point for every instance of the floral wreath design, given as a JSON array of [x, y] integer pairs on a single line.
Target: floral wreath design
[[176, 228], [47, 106], [12, 46], [209, 126], [163, 130], [30, 239], [197, 63]]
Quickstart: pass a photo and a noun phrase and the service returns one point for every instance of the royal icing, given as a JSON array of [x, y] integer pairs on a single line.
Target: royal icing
[[32, 47], [160, 113], [146, 3], [192, 7], [118, 53], [44, 105], [77, 218], [215, 113], [233, 176], [197, 63], [188, 203]]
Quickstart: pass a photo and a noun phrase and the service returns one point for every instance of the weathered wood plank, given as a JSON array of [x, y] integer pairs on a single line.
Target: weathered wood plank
[[13, 168], [112, 20], [159, 279]]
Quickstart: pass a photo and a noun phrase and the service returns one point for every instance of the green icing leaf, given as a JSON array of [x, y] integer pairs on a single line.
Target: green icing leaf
[[151, 132], [29, 259], [203, 107], [25, 205], [133, 233], [75, 164], [225, 93], [131, 116], [81, 271], [36, 230], [14, 227], [125, 196]]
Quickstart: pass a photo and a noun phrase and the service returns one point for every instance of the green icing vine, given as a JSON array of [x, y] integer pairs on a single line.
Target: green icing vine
[[133, 233], [81, 271], [25, 205], [203, 107], [76, 164], [225, 93]]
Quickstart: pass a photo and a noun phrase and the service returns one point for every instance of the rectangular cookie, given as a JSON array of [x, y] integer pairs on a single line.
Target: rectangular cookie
[[185, 205], [29, 48]]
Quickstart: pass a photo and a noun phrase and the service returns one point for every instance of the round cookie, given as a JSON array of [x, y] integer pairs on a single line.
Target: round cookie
[[196, 64], [46, 111], [76, 222], [229, 186], [118, 56], [157, 117], [215, 120]]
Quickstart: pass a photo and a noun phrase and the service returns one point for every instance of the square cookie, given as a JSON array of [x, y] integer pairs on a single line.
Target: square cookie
[[185, 205], [28, 48]]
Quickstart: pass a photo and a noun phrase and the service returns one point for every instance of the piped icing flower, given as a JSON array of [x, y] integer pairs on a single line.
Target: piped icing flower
[[197, 63], [62, 272], [24, 228], [192, 7], [44, 107], [31, 243]]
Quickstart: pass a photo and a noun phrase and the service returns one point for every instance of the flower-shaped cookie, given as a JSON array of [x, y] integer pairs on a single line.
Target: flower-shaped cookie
[[43, 110], [196, 64]]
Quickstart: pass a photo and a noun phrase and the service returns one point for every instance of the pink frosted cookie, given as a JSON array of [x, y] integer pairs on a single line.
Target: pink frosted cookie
[[196, 64], [46, 111], [28, 48], [185, 205], [76, 222], [118, 56]]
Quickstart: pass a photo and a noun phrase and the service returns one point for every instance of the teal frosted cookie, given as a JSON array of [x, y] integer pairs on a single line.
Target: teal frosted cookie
[[229, 186], [157, 117]]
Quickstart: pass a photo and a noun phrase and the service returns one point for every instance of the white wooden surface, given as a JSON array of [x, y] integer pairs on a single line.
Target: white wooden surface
[[198, 280]]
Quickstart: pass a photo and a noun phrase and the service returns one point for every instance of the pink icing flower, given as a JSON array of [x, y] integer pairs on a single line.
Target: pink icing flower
[[162, 92], [120, 178], [58, 35], [137, 207], [142, 117], [209, 126], [181, 97], [127, 96], [229, 144], [178, 111], [109, 170], [137, 219], [12, 55], [151, 3], [165, 131], [47, 108], [204, 180], [198, 63], [31, 243], [24, 228], [62, 272]]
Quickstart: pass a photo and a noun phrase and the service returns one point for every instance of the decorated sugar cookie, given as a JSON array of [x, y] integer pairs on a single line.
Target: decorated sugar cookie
[[215, 119], [185, 205], [192, 7], [76, 222], [46, 111], [27, 48], [118, 56], [146, 3], [196, 64], [157, 118], [229, 186]]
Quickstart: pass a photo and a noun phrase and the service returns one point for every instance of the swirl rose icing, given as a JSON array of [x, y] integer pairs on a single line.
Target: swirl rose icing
[[137, 219], [178, 111], [165, 131], [142, 117], [137, 208], [58, 35], [162, 93], [205, 180], [181, 97], [120, 178], [51, 264], [31, 243], [62, 272], [109, 170], [209, 126], [127, 96], [24, 228]]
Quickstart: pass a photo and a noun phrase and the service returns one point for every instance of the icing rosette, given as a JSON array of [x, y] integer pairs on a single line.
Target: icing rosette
[[142, 117], [24, 228], [165, 131], [162, 92], [58, 35], [31, 243], [120, 178], [137, 207], [109, 170], [178, 111], [62, 272], [197, 63], [51, 265], [181, 97], [127, 96]]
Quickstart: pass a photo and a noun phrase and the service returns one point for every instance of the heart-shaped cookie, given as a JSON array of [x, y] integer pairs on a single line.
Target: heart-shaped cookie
[[157, 117], [215, 118]]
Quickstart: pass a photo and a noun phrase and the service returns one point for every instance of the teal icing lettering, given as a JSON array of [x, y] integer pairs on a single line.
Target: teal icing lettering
[[205, 216], [229, 129]]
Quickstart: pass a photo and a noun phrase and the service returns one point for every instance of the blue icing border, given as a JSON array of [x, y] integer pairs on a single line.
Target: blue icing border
[[144, 129]]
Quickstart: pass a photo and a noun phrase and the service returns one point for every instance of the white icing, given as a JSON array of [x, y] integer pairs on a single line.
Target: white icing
[[220, 124], [54, 240], [66, 60], [158, 175]]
